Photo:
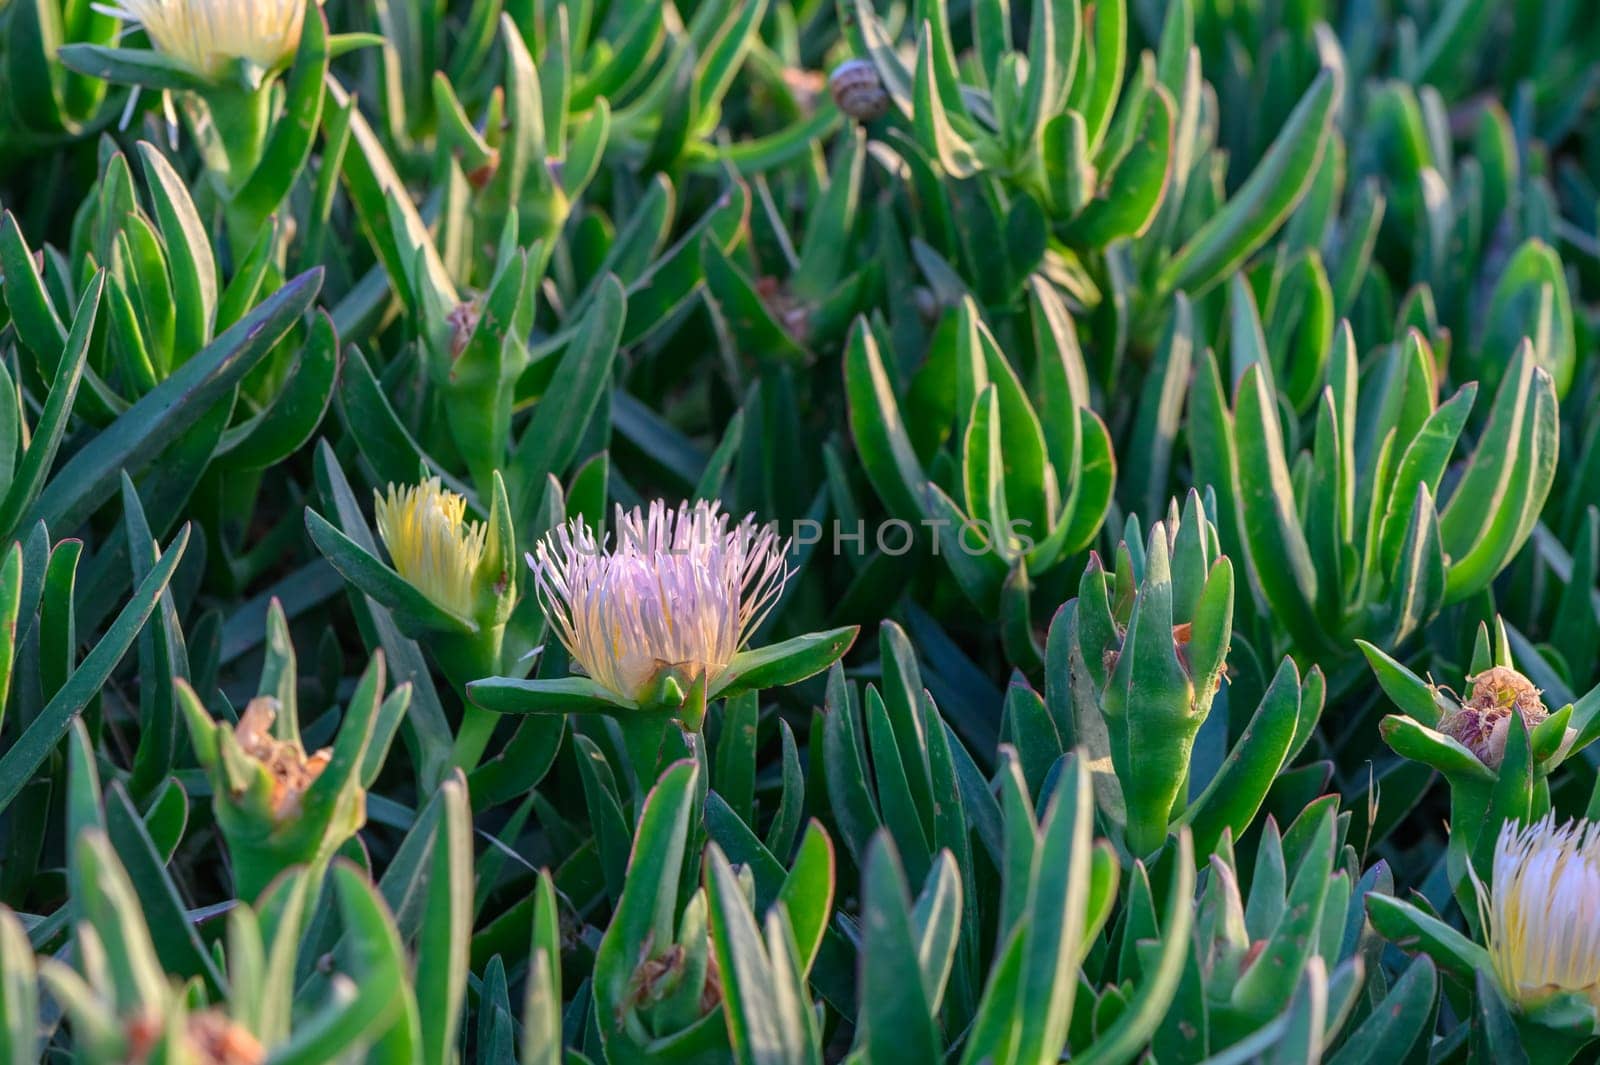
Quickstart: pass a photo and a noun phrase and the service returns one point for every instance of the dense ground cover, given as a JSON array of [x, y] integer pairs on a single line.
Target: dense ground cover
[[1166, 625]]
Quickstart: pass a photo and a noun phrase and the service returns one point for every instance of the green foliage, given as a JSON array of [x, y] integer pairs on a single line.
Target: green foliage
[[1178, 426]]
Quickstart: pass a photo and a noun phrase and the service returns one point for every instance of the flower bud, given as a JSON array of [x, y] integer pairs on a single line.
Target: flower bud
[[463, 322], [276, 806]]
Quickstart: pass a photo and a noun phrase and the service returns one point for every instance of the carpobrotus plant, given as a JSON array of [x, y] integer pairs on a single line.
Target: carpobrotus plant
[[1146, 650], [441, 439], [1133, 668], [276, 805], [1497, 747], [1537, 971], [657, 616], [453, 577], [217, 64]]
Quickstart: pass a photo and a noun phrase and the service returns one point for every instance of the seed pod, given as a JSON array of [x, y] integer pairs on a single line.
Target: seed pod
[[858, 90]]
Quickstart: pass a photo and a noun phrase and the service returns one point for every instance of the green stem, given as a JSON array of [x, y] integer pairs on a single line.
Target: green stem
[[465, 659], [643, 733], [472, 738], [242, 119]]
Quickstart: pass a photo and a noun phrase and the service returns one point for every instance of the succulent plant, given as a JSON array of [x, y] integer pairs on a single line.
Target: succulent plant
[[1195, 401], [1133, 667], [1497, 745], [277, 805]]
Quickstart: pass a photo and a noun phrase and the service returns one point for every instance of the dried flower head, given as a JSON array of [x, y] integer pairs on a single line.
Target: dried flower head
[[463, 322], [1482, 722], [207, 35], [431, 543], [1543, 910], [214, 1039], [793, 313], [291, 770], [1502, 688], [677, 590], [806, 85]]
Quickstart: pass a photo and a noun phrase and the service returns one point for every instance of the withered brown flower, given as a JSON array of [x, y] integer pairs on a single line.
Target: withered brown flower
[[1482, 722], [292, 771]]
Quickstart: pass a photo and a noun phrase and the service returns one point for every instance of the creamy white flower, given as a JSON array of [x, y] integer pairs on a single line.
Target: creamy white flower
[[1543, 910], [207, 35], [674, 589]]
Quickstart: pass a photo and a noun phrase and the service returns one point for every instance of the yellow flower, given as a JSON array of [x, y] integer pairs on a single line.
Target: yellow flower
[[1543, 911], [432, 544], [207, 35], [678, 590]]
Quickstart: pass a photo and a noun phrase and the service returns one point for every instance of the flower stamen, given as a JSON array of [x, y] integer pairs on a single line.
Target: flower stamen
[[431, 543], [207, 35], [1542, 910], [678, 589]]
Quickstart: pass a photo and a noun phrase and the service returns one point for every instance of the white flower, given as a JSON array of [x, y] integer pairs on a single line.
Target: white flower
[[1543, 910], [206, 35], [677, 590]]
